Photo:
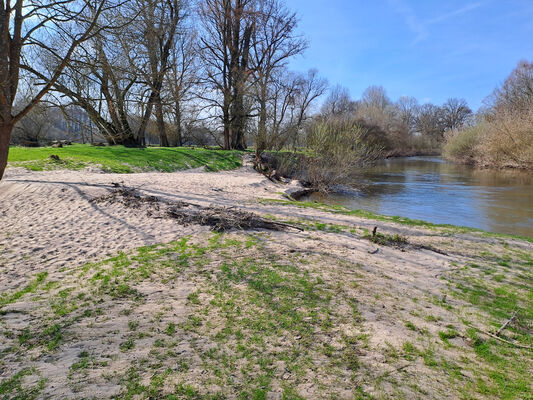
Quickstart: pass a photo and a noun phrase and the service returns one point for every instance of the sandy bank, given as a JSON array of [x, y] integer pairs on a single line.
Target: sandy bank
[[402, 294]]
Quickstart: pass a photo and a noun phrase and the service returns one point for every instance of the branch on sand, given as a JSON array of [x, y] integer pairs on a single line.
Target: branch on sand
[[220, 219]]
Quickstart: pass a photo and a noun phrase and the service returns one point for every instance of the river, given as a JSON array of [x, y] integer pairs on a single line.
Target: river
[[434, 190]]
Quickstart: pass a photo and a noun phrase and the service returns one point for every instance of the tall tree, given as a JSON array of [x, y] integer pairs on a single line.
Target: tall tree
[[455, 113], [159, 21], [275, 42], [228, 27], [24, 27], [338, 102], [180, 82]]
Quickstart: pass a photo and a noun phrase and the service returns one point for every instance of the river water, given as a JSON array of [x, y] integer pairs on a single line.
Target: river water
[[434, 190]]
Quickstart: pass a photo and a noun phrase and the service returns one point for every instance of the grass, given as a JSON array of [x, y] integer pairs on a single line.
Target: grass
[[30, 288], [215, 316], [335, 209], [119, 159]]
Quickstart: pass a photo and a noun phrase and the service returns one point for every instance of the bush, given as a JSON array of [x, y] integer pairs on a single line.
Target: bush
[[338, 146], [462, 146], [504, 138], [502, 141]]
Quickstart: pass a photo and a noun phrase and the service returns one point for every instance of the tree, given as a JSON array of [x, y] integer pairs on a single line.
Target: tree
[[30, 130], [181, 80], [159, 23], [274, 44], [338, 102], [228, 27], [455, 113], [26, 26], [407, 111], [429, 122], [516, 93], [376, 97]]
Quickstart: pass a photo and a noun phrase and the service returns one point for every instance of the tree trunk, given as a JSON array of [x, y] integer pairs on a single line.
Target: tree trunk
[[261, 144], [179, 132], [5, 137], [163, 139]]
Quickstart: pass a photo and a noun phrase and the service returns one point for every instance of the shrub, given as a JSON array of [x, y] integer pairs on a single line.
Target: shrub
[[338, 146], [463, 145]]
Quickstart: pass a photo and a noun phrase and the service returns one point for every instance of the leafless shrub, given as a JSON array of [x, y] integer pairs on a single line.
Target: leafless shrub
[[338, 146], [504, 137]]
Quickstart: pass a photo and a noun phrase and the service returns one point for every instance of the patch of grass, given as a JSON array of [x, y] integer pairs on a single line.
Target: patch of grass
[[120, 159], [127, 345], [30, 288], [409, 325], [387, 240], [133, 325], [12, 388], [53, 336], [335, 209], [171, 329], [450, 333]]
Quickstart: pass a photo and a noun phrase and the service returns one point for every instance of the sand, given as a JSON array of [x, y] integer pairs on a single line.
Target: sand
[[49, 223]]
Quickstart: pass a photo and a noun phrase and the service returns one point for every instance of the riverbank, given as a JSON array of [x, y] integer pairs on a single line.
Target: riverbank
[[434, 190], [115, 299]]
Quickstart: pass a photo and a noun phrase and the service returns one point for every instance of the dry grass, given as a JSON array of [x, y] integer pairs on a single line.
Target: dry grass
[[503, 141]]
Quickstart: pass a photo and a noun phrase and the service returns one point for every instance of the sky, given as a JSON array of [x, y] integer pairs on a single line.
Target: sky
[[430, 49]]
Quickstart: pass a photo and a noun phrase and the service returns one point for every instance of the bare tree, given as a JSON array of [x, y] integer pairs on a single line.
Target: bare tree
[[455, 113], [429, 122], [159, 21], [98, 79], [228, 27], [516, 93], [407, 111], [24, 27], [30, 130], [376, 96], [274, 44], [180, 81], [338, 102]]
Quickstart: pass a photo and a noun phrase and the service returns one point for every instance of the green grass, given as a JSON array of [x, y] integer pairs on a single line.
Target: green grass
[[30, 288], [120, 159], [258, 321], [335, 209], [12, 388]]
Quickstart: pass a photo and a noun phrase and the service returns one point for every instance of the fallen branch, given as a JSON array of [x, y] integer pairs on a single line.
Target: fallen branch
[[507, 323], [492, 335], [220, 219]]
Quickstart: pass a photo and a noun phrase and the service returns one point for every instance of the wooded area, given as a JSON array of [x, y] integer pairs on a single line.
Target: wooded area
[[502, 134], [213, 72], [174, 73]]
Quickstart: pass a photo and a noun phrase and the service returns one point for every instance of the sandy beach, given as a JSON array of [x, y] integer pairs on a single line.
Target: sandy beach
[[50, 224]]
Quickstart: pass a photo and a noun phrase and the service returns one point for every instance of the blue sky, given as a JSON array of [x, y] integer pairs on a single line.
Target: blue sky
[[429, 49]]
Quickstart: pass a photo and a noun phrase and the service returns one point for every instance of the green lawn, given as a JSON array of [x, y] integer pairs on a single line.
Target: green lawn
[[120, 159]]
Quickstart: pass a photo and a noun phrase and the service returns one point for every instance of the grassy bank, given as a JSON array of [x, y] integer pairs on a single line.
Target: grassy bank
[[442, 228], [120, 159]]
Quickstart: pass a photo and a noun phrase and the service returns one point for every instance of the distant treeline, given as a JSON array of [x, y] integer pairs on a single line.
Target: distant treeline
[[502, 133]]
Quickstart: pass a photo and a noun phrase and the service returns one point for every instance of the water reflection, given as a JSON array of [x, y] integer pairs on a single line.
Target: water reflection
[[432, 189]]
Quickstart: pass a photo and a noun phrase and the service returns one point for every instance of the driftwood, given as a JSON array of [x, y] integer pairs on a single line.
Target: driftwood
[[510, 320], [220, 219], [492, 335]]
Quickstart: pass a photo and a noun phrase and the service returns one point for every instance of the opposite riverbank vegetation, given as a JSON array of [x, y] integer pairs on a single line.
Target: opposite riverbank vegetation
[[501, 135]]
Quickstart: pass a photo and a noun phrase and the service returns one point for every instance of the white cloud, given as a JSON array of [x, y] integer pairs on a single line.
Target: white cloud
[[420, 27]]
